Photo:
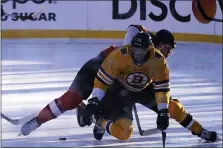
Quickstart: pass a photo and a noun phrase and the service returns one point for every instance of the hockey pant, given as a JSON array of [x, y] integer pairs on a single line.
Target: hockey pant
[[122, 128]]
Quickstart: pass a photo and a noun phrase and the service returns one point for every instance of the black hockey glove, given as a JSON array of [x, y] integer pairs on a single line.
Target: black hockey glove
[[163, 119], [91, 109]]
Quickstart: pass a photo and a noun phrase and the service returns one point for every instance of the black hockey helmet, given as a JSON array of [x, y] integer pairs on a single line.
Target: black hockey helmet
[[165, 37], [140, 44], [141, 40]]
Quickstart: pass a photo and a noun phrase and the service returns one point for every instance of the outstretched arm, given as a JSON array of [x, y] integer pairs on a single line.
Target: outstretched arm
[[104, 79]]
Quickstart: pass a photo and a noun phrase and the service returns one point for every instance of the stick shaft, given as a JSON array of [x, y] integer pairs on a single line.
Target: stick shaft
[[163, 138]]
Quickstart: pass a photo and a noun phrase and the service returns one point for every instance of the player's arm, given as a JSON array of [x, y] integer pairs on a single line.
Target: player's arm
[[162, 85], [107, 51], [104, 78], [107, 73], [162, 94], [131, 32]]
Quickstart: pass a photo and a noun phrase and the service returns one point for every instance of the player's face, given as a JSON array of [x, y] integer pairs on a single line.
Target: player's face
[[166, 50], [138, 54]]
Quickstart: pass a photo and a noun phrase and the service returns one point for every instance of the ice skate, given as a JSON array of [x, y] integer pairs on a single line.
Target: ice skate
[[28, 127], [98, 131], [210, 136]]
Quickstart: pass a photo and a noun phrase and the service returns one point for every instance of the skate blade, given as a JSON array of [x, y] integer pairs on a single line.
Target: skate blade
[[20, 134]]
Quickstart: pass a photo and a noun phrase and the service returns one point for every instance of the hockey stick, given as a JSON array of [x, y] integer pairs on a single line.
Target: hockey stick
[[20, 121], [163, 137], [143, 132], [205, 15]]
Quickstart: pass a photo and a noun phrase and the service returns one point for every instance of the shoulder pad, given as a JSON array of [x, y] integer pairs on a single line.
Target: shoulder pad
[[124, 50], [158, 55]]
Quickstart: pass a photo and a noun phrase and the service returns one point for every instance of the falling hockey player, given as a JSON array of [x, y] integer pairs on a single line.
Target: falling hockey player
[[83, 84]]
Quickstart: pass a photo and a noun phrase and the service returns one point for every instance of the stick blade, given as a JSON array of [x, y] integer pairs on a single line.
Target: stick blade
[[150, 132], [20, 121], [12, 121]]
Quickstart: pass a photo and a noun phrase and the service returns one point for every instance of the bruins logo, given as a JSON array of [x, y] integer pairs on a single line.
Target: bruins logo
[[137, 79]]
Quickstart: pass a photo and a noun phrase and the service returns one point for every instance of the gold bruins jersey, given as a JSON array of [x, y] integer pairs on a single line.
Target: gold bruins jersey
[[120, 65]]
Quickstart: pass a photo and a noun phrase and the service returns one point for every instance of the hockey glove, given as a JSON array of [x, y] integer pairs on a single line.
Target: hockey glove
[[91, 108], [163, 119]]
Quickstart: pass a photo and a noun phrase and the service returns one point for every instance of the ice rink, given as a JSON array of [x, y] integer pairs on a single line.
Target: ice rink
[[35, 72]]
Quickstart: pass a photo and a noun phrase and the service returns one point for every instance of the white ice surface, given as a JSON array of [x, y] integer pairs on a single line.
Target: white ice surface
[[35, 72]]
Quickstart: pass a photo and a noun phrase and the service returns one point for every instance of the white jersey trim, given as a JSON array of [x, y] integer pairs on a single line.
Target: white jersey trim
[[97, 92]]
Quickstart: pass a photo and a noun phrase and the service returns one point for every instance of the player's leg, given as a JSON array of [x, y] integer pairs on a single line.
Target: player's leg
[[183, 117], [121, 128], [80, 89], [118, 122], [115, 114], [177, 112]]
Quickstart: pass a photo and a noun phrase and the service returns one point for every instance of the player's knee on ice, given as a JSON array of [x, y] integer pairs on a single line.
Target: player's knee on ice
[[122, 129]]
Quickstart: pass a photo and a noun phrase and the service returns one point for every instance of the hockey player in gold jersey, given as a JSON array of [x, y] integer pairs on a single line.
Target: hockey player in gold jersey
[[165, 42], [131, 69]]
